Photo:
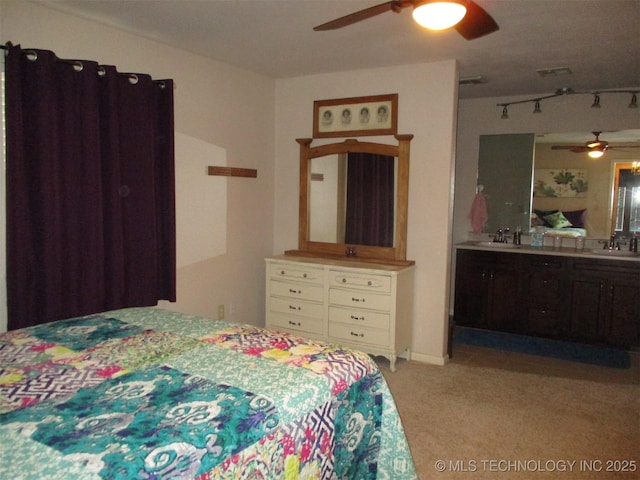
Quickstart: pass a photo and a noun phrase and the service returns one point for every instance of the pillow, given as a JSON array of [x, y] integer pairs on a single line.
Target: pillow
[[557, 220], [576, 217], [543, 213]]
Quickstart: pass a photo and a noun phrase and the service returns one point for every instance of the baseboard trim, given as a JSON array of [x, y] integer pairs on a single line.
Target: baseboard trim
[[432, 359]]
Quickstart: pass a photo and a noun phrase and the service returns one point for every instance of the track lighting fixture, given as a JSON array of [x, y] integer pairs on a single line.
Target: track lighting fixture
[[569, 91], [537, 109]]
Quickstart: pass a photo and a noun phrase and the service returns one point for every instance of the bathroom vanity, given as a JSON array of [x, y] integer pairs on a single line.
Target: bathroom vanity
[[583, 296]]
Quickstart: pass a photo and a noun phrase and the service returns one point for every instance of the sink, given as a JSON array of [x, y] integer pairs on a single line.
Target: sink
[[497, 245], [613, 253]]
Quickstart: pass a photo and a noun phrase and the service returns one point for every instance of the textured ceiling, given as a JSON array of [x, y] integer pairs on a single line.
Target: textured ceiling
[[599, 40]]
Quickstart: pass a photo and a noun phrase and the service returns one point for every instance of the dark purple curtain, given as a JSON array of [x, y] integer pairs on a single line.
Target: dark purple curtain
[[90, 188], [370, 199]]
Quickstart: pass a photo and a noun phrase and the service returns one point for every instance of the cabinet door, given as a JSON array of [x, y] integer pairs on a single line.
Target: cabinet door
[[623, 312], [471, 297], [502, 299], [587, 309], [487, 289]]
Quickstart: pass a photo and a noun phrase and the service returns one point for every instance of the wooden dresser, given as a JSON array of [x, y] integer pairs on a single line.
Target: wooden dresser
[[365, 306]]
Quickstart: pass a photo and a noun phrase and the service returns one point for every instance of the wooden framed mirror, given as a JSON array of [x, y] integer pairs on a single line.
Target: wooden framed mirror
[[339, 159]]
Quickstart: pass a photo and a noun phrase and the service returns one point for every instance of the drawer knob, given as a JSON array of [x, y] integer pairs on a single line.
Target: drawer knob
[[353, 317], [369, 283], [281, 272], [291, 290], [295, 324], [294, 307], [344, 280], [304, 275], [354, 334], [353, 299]]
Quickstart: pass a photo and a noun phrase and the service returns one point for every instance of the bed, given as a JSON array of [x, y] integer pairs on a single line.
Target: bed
[[147, 393]]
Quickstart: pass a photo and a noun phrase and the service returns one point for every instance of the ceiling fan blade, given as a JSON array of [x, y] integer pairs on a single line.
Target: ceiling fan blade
[[567, 147], [476, 22], [356, 17]]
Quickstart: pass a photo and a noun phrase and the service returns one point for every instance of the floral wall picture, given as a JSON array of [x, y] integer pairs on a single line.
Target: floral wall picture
[[564, 182]]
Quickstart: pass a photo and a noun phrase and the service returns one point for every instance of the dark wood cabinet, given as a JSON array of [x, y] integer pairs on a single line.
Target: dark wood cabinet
[[573, 298], [605, 302], [542, 296], [486, 290]]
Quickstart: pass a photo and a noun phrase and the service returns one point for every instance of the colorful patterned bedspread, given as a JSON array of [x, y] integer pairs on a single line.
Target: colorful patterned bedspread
[[146, 393]]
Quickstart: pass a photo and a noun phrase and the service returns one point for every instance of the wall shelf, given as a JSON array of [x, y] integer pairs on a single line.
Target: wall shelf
[[233, 172]]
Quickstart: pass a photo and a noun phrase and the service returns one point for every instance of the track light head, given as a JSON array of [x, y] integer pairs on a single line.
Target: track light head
[[537, 108]]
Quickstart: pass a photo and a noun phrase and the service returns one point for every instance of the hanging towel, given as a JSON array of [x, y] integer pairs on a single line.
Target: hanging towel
[[478, 214]]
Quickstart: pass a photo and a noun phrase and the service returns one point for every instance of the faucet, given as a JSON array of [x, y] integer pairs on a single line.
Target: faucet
[[500, 235], [611, 244]]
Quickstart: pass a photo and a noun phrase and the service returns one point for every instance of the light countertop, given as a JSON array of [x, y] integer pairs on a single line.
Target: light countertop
[[548, 250]]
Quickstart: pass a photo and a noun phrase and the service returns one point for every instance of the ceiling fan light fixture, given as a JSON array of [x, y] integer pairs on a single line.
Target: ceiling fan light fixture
[[596, 152], [439, 14]]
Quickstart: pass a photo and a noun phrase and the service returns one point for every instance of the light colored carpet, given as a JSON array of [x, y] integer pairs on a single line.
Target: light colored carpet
[[493, 414]]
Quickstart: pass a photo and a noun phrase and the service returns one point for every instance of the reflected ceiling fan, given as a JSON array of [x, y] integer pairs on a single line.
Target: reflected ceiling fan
[[468, 18], [594, 148]]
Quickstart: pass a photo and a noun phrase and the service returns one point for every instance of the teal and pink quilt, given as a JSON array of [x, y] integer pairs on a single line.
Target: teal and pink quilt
[[147, 393]]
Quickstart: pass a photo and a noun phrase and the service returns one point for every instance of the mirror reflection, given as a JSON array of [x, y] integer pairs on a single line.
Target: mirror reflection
[[341, 213], [529, 178], [352, 199]]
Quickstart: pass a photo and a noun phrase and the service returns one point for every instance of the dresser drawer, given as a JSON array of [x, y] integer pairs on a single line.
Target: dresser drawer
[[295, 324], [359, 299], [355, 334], [373, 283], [296, 307], [363, 318], [299, 290], [297, 272]]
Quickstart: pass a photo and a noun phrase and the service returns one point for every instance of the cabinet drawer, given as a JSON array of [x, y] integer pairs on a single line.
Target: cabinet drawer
[[373, 283], [544, 322], [295, 307], [297, 272], [356, 334], [297, 290], [360, 299], [295, 324], [544, 287], [363, 318]]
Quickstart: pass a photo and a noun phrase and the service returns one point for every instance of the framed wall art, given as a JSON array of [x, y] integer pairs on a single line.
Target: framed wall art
[[361, 116], [560, 182]]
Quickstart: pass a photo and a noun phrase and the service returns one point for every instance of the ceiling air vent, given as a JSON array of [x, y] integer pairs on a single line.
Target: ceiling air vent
[[553, 72], [477, 80]]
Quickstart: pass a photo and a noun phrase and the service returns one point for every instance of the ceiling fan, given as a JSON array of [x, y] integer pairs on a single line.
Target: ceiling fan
[[472, 20], [594, 148]]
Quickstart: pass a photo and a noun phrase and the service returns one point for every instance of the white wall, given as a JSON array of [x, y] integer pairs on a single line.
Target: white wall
[[426, 109], [222, 115]]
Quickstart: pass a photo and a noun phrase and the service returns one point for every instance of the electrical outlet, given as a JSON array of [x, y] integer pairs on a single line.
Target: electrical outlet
[[220, 312]]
